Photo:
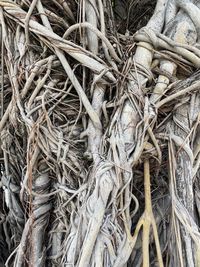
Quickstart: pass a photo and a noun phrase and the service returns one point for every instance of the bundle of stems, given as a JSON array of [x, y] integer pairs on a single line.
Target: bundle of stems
[[99, 133]]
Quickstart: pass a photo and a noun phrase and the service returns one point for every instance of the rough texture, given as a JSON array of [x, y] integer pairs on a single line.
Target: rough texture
[[99, 133]]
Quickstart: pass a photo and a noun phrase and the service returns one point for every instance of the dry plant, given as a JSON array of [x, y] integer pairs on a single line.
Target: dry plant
[[100, 135]]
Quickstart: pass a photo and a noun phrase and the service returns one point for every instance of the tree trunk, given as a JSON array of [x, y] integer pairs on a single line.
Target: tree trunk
[[100, 146]]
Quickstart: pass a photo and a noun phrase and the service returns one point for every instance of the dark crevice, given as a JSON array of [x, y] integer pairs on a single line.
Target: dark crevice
[[132, 15]]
